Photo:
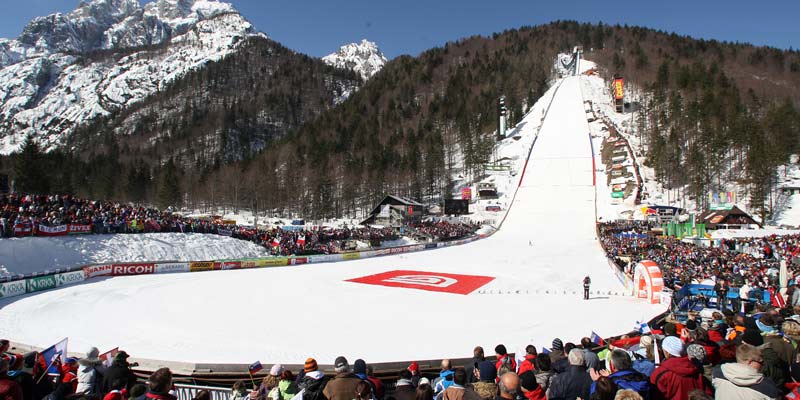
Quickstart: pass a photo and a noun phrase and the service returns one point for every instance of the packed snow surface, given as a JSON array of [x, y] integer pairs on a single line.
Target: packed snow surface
[[34, 254], [538, 258]]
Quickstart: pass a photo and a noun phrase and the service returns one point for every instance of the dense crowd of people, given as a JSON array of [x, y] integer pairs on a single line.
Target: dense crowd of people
[[104, 217], [725, 356], [750, 264]]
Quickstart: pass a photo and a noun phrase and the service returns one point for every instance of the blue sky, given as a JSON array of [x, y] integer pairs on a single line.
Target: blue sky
[[318, 27]]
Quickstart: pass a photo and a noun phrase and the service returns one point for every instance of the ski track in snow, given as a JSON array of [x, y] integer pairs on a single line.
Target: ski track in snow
[[287, 314]]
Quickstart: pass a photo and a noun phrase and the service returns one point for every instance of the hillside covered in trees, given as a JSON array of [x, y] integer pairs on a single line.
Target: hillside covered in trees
[[713, 112]]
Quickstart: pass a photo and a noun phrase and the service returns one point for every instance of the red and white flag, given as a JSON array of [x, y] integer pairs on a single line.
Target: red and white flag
[[276, 241], [108, 356], [301, 240]]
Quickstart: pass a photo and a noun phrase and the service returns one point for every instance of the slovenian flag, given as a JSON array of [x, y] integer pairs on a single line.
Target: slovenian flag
[[596, 339], [276, 241], [301, 240], [255, 367], [54, 354]]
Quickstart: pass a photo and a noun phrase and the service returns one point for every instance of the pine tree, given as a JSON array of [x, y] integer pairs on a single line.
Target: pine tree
[[169, 193], [30, 171]]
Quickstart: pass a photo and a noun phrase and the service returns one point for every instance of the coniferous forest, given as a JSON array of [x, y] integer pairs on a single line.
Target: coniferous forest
[[266, 127]]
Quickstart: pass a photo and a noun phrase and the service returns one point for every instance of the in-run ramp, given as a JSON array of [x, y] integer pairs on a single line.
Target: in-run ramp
[[524, 287]]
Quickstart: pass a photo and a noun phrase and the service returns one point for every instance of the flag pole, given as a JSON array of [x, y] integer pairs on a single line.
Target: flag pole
[[44, 373], [251, 379]]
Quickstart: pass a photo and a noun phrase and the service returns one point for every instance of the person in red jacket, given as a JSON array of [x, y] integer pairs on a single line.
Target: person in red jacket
[[530, 358], [677, 375], [9, 390], [530, 388], [504, 358]]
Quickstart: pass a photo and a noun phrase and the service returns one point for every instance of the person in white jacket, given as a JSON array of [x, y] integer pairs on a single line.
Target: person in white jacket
[[90, 372], [742, 380]]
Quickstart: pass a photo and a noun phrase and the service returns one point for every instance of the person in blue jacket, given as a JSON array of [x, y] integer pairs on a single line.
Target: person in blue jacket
[[623, 374]]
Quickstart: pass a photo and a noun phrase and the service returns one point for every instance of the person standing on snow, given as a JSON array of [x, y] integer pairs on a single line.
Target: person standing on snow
[[586, 282]]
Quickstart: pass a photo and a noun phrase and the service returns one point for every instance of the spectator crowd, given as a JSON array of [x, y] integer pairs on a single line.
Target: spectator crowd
[[104, 217]]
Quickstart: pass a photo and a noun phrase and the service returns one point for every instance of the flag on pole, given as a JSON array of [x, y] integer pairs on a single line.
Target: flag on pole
[[301, 240], [108, 357], [255, 367], [545, 350], [276, 241], [596, 339], [642, 327], [53, 354]]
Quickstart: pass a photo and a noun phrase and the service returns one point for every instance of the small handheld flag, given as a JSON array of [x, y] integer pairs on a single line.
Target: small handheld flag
[[108, 356], [53, 354], [596, 339], [545, 350], [255, 367]]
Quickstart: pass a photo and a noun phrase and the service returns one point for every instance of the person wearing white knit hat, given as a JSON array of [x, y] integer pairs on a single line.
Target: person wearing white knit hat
[[677, 375]]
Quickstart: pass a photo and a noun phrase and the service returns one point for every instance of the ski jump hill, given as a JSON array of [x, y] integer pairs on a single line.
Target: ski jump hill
[[521, 285]]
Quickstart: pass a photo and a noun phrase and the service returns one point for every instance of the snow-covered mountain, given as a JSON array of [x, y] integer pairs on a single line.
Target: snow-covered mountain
[[365, 58], [64, 70]]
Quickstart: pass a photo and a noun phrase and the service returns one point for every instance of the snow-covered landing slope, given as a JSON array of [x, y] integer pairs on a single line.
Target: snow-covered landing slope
[[288, 314], [34, 254]]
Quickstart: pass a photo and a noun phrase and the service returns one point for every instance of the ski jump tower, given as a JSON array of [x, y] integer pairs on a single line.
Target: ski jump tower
[[573, 67]]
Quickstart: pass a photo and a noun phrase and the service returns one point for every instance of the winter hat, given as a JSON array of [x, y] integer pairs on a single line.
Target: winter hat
[[670, 329], [360, 367], [276, 370], [310, 365], [728, 313], [423, 381], [696, 352], [70, 360], [527, 381], [341, 362], [752, 337], [414, 367], [92, 354], [673, 346], [500, 349], [766, 324], [487, 371], [645, 341], [121, 356], [558, 344]]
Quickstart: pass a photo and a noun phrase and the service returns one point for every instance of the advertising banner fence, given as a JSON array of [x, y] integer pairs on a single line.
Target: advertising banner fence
[[69, 278], [14, 288], [40, 283], [133, 269], [169, 268], [199, 266], [58, 230]]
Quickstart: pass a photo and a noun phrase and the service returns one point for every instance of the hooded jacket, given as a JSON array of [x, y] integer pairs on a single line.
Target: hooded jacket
[[572, 383], [739, 382], [676, 377], [88, 375]]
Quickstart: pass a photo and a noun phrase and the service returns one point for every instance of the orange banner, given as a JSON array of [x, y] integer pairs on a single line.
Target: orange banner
[[619, 91]]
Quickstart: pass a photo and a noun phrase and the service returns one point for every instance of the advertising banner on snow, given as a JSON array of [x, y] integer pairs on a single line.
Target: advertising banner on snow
[[298, 260], [58, 230], [227, 265], [69, 278], [200, 266], [248, 264], [224, 232], [272, 262], [133, 269], [351, 256], [79, 229], [40, 283], [169, 268], [93, 271], [14, 288], [619, 91]]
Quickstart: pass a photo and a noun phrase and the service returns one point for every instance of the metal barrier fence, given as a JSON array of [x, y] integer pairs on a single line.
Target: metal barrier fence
[[188, 392]]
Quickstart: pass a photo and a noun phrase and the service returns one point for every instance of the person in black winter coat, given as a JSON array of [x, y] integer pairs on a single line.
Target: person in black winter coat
[[119, 369], [574, 382], [471, 368]]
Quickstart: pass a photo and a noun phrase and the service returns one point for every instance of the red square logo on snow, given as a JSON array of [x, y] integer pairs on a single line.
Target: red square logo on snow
[[431, 281]]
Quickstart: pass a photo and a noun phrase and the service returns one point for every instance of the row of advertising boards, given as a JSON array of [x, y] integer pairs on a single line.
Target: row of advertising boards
[[50, 280]]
